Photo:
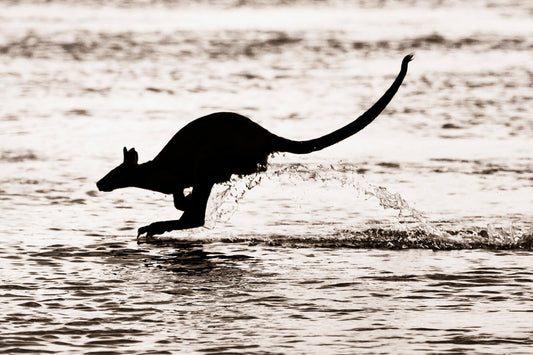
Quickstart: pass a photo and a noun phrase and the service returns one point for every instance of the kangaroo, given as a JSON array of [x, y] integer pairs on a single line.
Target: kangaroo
[[210, 149]]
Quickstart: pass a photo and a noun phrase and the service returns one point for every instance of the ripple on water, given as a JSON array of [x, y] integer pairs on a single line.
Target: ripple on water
[[18, 156], [195, 288]]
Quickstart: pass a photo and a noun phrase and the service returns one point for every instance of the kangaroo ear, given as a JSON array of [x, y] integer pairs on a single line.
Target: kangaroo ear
[[134, 156], [130, 156]]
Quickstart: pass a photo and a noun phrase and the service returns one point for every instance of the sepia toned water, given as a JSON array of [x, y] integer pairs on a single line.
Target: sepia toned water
[[415, 236]]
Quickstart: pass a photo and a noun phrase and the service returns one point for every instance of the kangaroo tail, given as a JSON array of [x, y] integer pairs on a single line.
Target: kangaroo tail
[[304, 147]]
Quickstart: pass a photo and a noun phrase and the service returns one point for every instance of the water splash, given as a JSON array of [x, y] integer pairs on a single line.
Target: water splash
[[224, 200], [227, 197], [412, 229]]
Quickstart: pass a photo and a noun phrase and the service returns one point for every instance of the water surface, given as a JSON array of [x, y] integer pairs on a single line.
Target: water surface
[[413, 236]]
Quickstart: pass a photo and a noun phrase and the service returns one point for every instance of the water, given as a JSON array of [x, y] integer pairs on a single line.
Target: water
[[415, 236]]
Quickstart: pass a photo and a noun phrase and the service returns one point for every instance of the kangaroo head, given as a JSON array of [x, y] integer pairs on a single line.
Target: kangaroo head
[[122, 175]]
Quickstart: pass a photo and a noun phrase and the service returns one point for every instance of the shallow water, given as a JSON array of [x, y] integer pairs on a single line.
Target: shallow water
[[114, 295], [413, 236]]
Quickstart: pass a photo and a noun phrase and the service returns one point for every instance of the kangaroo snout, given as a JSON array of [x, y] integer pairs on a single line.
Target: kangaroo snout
[[99, 186], [102, 187]]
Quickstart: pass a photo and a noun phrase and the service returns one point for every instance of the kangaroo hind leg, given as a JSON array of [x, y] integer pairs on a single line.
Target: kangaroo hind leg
[[193, 216], [194, 213], [181, 201]]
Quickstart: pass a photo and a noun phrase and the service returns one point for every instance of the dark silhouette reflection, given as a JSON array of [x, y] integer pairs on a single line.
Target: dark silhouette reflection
[[187, 259], [190, 259], [211, 149]]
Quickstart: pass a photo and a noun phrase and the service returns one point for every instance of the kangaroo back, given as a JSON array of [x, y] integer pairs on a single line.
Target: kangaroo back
[[303, 147]]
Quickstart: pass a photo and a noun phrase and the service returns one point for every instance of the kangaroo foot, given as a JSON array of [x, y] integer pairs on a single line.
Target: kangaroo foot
[[167, 226], [152, 229]]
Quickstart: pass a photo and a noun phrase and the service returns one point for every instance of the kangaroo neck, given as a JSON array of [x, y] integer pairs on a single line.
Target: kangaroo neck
[[150, 176]]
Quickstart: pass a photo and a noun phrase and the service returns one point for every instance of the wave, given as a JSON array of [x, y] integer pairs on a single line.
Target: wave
[[375, 238], [379, 238], [131, 46]]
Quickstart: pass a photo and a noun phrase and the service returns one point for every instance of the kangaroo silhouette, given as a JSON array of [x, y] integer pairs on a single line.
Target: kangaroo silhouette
[[210, 149]]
